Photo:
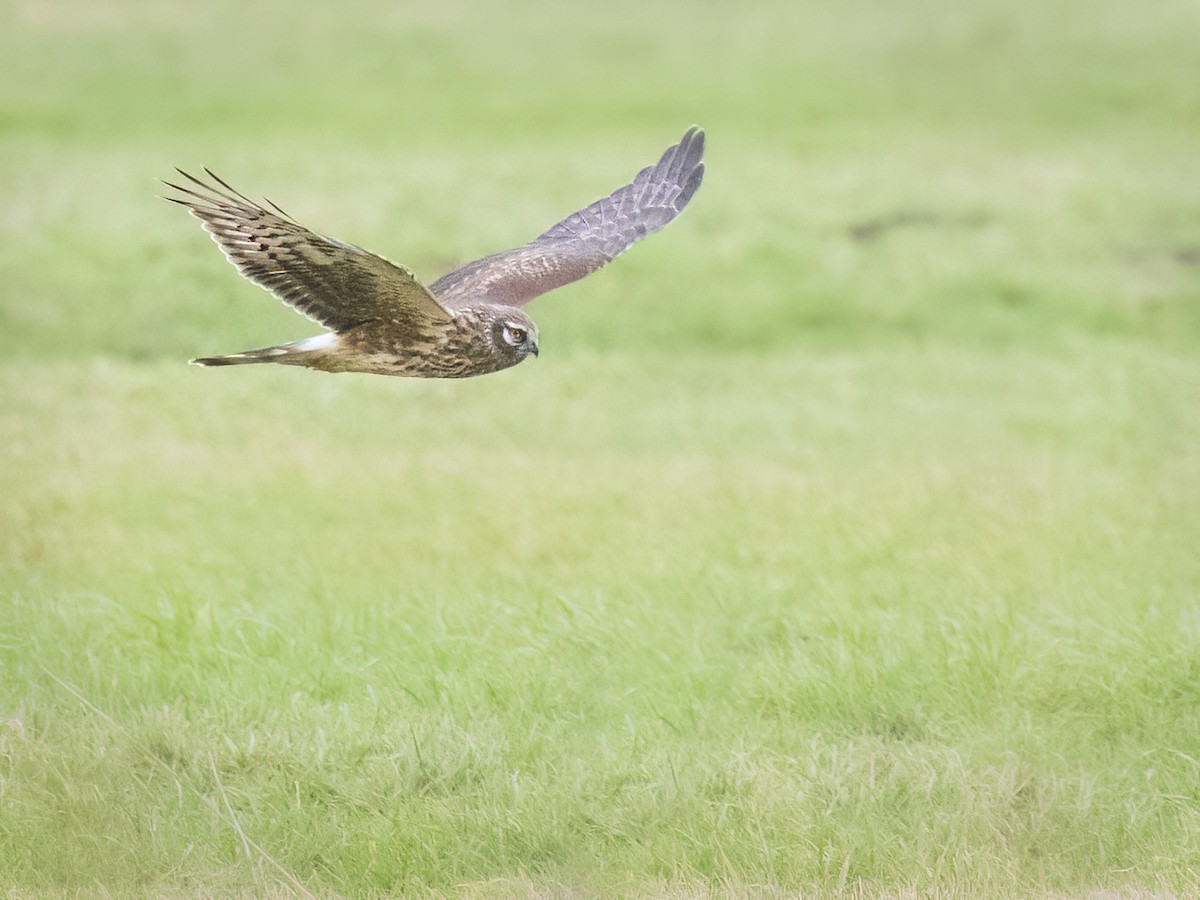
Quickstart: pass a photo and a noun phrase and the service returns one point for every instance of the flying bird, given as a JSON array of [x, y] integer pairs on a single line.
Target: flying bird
[[382, 320]]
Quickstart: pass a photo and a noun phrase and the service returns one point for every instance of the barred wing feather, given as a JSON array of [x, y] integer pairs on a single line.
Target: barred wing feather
[[339, 285], [585, 240]]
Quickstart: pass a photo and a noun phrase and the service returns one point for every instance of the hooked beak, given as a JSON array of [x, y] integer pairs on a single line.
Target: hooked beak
[[533, 348]]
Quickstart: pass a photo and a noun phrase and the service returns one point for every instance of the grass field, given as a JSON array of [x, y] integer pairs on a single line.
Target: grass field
[[842, 541]]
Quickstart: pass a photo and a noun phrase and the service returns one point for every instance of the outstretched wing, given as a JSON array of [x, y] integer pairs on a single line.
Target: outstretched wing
[[336, 284], [586, 240]]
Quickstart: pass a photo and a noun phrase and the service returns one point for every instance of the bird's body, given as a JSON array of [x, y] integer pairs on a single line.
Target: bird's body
[[383, 321], [457, 348]]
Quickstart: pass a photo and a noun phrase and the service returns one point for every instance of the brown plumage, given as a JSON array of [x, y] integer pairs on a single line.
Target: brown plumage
[[468, 322]]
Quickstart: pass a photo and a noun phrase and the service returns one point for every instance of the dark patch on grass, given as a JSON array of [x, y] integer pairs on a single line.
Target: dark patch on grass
[[880, 226]]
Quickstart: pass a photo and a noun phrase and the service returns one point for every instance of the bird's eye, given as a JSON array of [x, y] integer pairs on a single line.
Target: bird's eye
[[516, 335]]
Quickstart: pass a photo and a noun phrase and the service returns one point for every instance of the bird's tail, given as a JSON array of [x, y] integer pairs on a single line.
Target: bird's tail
[[248, 357]]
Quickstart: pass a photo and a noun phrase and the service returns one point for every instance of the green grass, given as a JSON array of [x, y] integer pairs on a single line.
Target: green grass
[[842, 540]]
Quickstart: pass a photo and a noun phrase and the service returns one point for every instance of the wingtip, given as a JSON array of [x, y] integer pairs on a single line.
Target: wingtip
[[690, 186], [172, 185], [679, 161]]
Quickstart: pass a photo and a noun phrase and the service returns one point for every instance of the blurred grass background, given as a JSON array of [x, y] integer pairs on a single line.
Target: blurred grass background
[[841, 540]]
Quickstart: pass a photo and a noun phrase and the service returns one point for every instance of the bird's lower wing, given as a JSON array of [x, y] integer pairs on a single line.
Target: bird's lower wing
[[585, 240], [339, 285]]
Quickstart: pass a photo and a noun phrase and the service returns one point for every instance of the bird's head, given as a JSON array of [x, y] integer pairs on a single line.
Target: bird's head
[[515, 334]]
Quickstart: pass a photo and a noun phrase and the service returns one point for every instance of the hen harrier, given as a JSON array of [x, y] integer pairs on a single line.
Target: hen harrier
[[469, 322]]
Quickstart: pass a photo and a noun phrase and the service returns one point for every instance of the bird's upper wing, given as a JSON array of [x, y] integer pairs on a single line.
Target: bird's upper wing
[[586, 240], [336, 284]]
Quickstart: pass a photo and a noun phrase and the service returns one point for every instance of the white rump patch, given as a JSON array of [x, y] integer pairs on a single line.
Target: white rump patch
[[326, 341]]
